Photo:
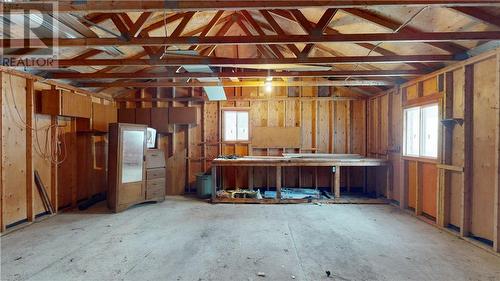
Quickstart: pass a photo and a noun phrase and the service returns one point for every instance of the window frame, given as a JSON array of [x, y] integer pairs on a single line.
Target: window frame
[[420, 136], [223, 126]]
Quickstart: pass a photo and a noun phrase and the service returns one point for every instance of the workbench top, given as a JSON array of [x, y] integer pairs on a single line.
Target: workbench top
[[299, 161]]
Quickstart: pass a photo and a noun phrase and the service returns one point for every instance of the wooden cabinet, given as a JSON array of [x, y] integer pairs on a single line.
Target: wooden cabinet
[[65, 103], [159, 119], [126, 115], [182, 115], [135, 174], [143, 116], [102, 116], [126, 170]]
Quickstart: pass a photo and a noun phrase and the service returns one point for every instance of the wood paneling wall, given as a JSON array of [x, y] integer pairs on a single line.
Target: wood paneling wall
[[460, 190], [27, 139]]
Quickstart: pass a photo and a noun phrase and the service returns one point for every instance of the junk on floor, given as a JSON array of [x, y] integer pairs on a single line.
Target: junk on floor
[[286, 193], [239, 193], [295, 193]]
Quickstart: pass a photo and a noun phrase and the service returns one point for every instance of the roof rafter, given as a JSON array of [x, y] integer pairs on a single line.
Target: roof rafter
[[480, 14], [261, 48], [367, 46], [394, 25], [139, 24], [249, 18], [277, 28]]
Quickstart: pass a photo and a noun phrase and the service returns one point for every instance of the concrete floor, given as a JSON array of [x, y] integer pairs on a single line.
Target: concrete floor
[[183, 239]]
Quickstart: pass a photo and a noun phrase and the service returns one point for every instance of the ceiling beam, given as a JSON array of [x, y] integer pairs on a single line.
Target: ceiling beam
[[252, 40], [178, 61], [237, 74], [187, 5], [236, 84]]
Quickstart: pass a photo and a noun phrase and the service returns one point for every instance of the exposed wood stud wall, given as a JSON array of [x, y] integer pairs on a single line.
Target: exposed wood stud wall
[[459, 189], [29, 132]]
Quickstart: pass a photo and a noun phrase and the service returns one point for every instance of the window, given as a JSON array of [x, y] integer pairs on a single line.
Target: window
[[421, 131], [235, 125]]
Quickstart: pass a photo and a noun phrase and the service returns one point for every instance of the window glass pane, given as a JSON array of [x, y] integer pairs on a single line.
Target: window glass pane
[[242, 126], [412, 131], [230, 125], [430, 121]]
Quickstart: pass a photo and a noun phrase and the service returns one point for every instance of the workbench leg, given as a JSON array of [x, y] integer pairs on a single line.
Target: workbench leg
[[316, 178], [250, 178], [337, 181], [278, 182], [332, 182], [214, 183], [365, 180]]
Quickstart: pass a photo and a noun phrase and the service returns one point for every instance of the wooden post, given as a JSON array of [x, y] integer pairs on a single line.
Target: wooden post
[[53, 166], [203, 138], [388, 180], [74, 172], [278, 182], [188, 147], [316, 178], [419, 196], [468, 153], [444, 182], [214, 182], [496, 212], [403, 183], [337, 181], [2, 193], [365, 179], [332, 182], [250, 178], [30, 200]]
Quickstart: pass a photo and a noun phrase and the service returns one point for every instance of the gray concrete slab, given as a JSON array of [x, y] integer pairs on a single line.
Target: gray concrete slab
[[184, 239]]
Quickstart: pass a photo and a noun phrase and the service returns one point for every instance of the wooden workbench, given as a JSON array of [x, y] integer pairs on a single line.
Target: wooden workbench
[[307, 161]]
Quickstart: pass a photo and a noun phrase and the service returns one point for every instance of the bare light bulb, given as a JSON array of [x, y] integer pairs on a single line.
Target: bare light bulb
[[268, 86]]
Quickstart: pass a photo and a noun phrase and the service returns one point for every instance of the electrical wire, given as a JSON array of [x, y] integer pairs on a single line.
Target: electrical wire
[[403, 25], [49, 154]]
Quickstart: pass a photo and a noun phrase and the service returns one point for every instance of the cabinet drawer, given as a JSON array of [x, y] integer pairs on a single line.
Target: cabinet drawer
[[158, 173], [155, 189], [155, 158]]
